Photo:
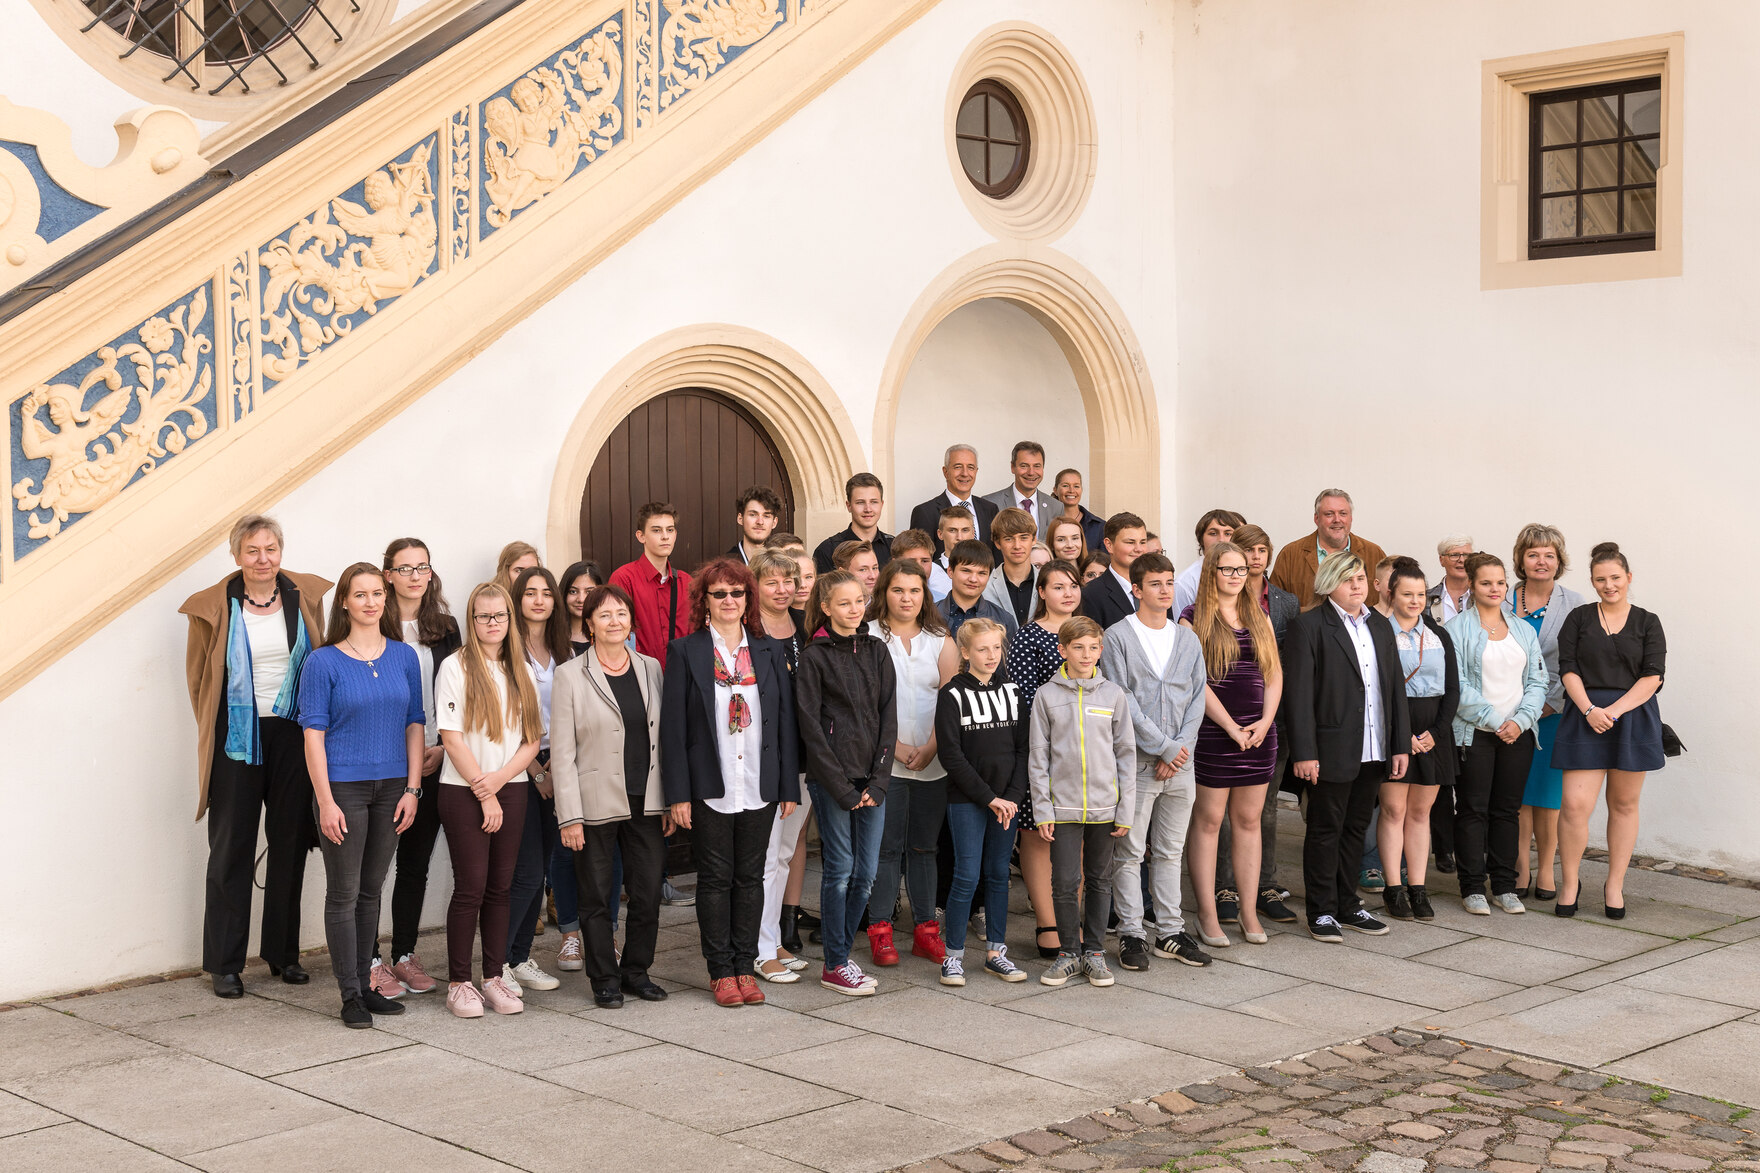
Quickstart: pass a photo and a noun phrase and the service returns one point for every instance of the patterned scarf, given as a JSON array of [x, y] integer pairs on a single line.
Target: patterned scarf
[[242, 741], [739, 713]]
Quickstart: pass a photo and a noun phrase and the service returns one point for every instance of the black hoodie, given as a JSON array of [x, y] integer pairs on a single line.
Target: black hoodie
[[981, 737], [843, 690]]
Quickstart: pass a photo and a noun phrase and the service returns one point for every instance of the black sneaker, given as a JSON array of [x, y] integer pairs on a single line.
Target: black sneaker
[[377, 1003], [355, 1015], [1181, 947], [1228, 906], [1325, 930], [1421, 907], [1397, 902], [1272, 907], [1133, 953], [1362, 922]]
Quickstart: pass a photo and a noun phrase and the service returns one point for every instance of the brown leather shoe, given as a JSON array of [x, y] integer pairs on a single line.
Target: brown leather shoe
[[749, 991], [728, 993]]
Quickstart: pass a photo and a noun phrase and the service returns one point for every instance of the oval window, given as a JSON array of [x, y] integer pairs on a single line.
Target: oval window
[[993, 139]]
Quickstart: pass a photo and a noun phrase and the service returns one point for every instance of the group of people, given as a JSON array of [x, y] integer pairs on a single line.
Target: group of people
[[1013, 680]]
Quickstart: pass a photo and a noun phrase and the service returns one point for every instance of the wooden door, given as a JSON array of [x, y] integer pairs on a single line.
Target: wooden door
[[696, 449]]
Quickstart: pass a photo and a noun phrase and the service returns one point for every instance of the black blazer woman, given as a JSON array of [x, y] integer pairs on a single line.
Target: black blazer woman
[[1349, 731], [729, 755]]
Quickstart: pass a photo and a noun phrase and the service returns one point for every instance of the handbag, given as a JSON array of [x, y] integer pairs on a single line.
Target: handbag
[[1671, 742]]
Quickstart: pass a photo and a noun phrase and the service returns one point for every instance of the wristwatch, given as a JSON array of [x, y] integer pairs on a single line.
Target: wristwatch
[[414, 791]]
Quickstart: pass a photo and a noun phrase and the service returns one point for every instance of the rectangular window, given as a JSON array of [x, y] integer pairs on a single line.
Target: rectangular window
[[1593, 158]]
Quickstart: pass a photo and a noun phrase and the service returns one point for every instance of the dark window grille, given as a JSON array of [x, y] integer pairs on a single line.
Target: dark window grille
[[207, 39], [1593, 154], [992, 137]]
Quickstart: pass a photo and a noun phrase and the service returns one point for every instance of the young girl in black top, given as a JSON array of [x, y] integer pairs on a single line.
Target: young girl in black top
[[1611, 657], [982, 734]]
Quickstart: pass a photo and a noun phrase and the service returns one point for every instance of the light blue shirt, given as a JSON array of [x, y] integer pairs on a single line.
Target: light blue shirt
[[1422, 660], [1374, 730]]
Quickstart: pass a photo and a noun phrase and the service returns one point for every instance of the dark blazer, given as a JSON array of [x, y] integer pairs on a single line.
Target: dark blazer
[[1093, 526], [1283, 611], [927, 517], [1105, 602], [1324, 694], [690, 756], [882, 544]]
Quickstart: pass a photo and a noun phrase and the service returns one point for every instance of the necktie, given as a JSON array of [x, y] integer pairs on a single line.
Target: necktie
[[1027, 504]]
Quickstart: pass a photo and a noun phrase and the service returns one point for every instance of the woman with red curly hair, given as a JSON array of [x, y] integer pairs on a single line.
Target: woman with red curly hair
[[728, 759]]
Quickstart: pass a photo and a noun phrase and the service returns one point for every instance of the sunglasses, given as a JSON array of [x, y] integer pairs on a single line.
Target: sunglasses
[[732, 593]]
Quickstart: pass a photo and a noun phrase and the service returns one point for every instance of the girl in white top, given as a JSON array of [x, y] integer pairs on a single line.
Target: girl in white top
[[903, 617], [490, 727]]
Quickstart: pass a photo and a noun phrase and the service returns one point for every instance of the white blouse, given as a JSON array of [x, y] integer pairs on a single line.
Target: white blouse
[[449, 700], [270, 657], [1501, 669], [741, 751], [918, 675]]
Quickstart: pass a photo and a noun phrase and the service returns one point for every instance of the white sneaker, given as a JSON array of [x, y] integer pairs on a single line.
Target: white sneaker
[[1511, 903], [1476, 904], [571, 958], [527, 976], [512, 982]]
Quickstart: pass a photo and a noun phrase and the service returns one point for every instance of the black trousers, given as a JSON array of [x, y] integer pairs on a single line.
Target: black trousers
[[730, 852], [415, 850], [643, 847], [279, 794], [1487, 820], [1442, 819], [1081, 883], [1338, 818], [354, 876]]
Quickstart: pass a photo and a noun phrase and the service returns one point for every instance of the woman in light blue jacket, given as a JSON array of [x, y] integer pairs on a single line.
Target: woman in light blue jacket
[[1503, 689]]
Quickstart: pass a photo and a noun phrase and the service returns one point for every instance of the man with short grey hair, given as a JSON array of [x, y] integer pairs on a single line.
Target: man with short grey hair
[[959, 469], [1448, 597], [1298, 562]]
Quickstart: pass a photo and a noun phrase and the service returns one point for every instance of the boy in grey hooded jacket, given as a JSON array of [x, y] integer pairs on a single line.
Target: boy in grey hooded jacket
[[1161, 665], [1081, 768]]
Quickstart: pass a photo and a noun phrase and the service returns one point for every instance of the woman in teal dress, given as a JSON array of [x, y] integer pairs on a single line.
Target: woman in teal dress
[[1540, 561]]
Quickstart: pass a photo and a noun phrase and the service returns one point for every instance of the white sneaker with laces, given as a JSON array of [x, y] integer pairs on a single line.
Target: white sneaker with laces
[[527, 976], [571, 958], [1511, 903], [512, 982]]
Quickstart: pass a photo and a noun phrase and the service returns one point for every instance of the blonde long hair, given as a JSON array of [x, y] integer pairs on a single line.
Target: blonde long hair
[[480, 711], [1221, 648]]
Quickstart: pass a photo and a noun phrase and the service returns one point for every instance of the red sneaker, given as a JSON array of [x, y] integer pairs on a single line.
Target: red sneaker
[[880, 943], [748, 989], [727, 993], [926, 942]]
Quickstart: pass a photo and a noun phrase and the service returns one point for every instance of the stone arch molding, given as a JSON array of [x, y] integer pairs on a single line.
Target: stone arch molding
[[1124, 431], [791, 399], [1060, 114]]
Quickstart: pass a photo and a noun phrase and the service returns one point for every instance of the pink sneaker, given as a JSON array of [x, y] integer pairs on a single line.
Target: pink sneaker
[[409, 971], [500, 997], [846, 979], [464, 1001], [385, 983]]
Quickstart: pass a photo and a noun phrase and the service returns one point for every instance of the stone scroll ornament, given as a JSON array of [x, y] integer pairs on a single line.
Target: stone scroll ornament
[[700, 36], [550, 123], [96, 449], [333, 269]]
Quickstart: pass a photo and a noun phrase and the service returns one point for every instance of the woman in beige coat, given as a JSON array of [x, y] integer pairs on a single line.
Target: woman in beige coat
[[605, 767]]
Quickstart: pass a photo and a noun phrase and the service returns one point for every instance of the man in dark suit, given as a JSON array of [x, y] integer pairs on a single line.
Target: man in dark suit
[[1349, 732], [1108, 598], [1027, 466], [959, 469]]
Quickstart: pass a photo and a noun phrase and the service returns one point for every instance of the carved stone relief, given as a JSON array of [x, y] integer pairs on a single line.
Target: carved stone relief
[[700, 37]]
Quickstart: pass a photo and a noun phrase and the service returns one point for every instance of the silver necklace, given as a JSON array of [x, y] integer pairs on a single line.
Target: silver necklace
[[370, 660]]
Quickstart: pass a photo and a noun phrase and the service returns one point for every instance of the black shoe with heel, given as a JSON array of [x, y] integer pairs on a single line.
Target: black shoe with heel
[[1046, 953], [1397, 901], [1563, 909], [1609, 910], [1422, 909], [790, 933], [228, 985], [292, 973]]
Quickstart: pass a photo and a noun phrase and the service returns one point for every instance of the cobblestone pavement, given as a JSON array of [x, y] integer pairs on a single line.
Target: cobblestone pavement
[[1400, 1102]]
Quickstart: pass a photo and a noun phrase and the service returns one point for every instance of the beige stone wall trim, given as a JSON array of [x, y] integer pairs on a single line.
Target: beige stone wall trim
[[795, 403], [1124, 463], [1503, 204], [131, 546]]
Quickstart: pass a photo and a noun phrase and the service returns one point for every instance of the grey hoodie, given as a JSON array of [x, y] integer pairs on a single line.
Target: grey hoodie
[[1081, 753], [1166, 709]]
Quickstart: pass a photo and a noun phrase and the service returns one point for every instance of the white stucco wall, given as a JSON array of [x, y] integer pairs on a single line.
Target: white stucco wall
[[1332, 331], [823, 236]]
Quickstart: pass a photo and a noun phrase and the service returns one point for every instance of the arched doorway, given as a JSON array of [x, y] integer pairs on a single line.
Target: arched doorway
[[694, 448]]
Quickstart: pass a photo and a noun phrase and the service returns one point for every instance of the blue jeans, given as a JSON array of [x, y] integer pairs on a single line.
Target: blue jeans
[[981, 849], [564, 887], [849, 853]]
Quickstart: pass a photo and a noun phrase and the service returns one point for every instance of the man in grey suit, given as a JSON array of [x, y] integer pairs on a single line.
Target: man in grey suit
[[1027, 464]]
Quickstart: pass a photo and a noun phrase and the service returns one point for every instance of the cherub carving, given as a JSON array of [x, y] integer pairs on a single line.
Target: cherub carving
[[534, 138]]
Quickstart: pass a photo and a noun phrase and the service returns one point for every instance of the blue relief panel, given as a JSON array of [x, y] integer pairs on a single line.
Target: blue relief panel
[[699, 38], [62, 211], [324, 276], [81, 438], [549, 124]]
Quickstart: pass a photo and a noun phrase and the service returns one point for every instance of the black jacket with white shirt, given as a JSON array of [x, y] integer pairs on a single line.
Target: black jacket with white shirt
[[927, 517], [1324, 694]]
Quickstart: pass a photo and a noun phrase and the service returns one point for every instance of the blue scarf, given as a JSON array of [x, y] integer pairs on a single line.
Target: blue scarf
[[243, 744]]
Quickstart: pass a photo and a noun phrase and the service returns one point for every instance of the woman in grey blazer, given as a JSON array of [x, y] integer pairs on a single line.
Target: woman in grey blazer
[[605, 767]]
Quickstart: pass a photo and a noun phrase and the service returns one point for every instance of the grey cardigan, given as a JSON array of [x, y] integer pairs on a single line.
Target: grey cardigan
[[586, 741], [1166, 709], [1563, 601]]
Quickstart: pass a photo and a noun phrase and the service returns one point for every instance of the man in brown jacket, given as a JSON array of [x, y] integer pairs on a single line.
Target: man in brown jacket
[[1297, 562], [262, 765]]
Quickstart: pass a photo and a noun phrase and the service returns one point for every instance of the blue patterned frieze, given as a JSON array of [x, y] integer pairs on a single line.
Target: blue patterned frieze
[[59, 211], [550, 123], [698, 38], [463, 147], [342, 264], [642, 50], [83, 437]]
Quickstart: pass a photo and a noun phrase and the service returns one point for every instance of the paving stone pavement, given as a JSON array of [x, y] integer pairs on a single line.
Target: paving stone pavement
[[1401, 1101], [162, 1075]]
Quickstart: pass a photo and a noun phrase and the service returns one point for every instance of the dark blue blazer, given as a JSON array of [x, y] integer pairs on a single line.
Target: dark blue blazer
[[1105, 602], [690, 755]]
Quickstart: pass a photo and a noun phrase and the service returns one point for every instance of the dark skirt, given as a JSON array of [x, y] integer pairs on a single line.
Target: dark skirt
[[1634, 744], [1435, 768]]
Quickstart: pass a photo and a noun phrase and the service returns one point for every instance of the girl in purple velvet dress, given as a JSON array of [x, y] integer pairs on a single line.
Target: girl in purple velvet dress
[[1237, 742]]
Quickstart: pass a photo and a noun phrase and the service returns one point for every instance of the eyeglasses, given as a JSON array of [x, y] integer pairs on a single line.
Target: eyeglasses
[[1461, 555], [408, 571], [496, 617], [1232, 571], [733, 593]]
